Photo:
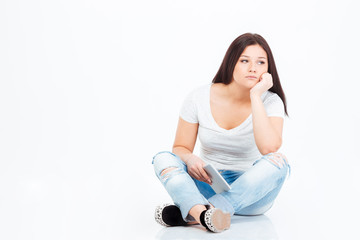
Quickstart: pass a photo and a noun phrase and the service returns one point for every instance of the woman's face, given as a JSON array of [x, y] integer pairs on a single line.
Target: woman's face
[[251, 65]]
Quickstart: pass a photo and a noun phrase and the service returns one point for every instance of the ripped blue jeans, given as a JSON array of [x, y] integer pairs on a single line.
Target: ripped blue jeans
[[252, 192]]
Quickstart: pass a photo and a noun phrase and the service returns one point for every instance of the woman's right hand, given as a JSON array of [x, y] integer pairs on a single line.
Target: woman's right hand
[[195, 166]]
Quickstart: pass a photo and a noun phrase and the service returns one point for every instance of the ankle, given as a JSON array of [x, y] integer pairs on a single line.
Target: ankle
[[196, 211]]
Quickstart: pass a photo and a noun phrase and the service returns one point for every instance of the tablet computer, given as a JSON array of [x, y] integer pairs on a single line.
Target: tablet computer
[[218, 182]]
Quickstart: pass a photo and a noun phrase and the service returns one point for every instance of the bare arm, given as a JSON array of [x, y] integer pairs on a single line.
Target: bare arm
[[184, 144], [267, 130], [185, 139]]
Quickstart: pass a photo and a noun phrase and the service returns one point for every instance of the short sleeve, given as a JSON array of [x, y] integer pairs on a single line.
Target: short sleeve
[[274, 106], [188, 110]]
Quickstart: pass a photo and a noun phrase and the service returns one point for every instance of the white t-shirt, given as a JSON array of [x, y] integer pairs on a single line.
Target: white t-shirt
[[233, 149]]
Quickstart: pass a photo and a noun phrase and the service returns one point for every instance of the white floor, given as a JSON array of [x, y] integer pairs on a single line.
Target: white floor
[[259, 227], [106, 205]]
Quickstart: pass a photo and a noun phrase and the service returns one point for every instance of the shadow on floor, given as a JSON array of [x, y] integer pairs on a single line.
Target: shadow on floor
[[242, 227]]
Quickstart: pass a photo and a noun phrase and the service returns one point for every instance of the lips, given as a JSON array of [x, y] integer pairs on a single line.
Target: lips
[[251, 77]]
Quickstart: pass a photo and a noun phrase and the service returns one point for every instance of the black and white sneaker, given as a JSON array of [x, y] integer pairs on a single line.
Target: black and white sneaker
[[169, 215], [215, 220]]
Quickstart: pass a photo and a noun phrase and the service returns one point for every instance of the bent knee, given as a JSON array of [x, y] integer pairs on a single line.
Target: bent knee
[[166, 160], [277, 159], [164, 156], [255, 210], [167, 170], [170, 172]]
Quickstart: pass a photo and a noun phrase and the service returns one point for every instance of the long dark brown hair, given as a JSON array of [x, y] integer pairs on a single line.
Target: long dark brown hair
[[225, 72]]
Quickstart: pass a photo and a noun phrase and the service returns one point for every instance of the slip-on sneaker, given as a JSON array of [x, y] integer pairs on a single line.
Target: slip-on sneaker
[[169, 215], [215, 220]]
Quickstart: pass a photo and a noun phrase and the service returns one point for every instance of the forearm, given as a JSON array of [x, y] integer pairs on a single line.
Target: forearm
[[266, 138], [183, 153]]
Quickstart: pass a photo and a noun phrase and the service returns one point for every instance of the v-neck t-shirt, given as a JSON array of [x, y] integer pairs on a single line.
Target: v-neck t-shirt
[[233, 149]]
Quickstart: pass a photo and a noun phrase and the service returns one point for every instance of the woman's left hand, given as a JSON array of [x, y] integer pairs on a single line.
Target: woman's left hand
[[263, 85]]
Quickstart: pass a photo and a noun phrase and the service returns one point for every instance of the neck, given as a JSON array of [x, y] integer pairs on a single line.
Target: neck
[[237, 93]]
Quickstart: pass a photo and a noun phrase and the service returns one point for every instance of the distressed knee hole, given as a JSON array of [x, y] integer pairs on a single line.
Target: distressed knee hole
[[166, 170], [278, 159], [169, 172]]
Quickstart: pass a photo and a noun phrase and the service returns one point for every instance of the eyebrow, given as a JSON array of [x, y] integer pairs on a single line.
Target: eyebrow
[[249, 57]]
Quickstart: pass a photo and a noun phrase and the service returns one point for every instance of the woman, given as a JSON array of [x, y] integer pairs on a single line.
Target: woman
[[239, 120]]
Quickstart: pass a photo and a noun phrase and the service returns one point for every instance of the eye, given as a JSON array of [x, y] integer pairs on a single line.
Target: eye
[[243, 60], [261, 62]]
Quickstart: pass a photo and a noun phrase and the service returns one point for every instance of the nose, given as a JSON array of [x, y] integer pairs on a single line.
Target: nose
[[252, 67]]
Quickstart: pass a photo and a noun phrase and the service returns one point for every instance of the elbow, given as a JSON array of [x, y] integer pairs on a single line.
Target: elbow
[[267, 151], [176, 147], [270, 148]]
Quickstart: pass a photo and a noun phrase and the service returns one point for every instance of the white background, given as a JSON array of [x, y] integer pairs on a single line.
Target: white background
[[91, 90]]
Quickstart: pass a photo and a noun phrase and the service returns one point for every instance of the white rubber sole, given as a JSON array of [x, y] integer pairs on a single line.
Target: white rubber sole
[[217, 220]]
